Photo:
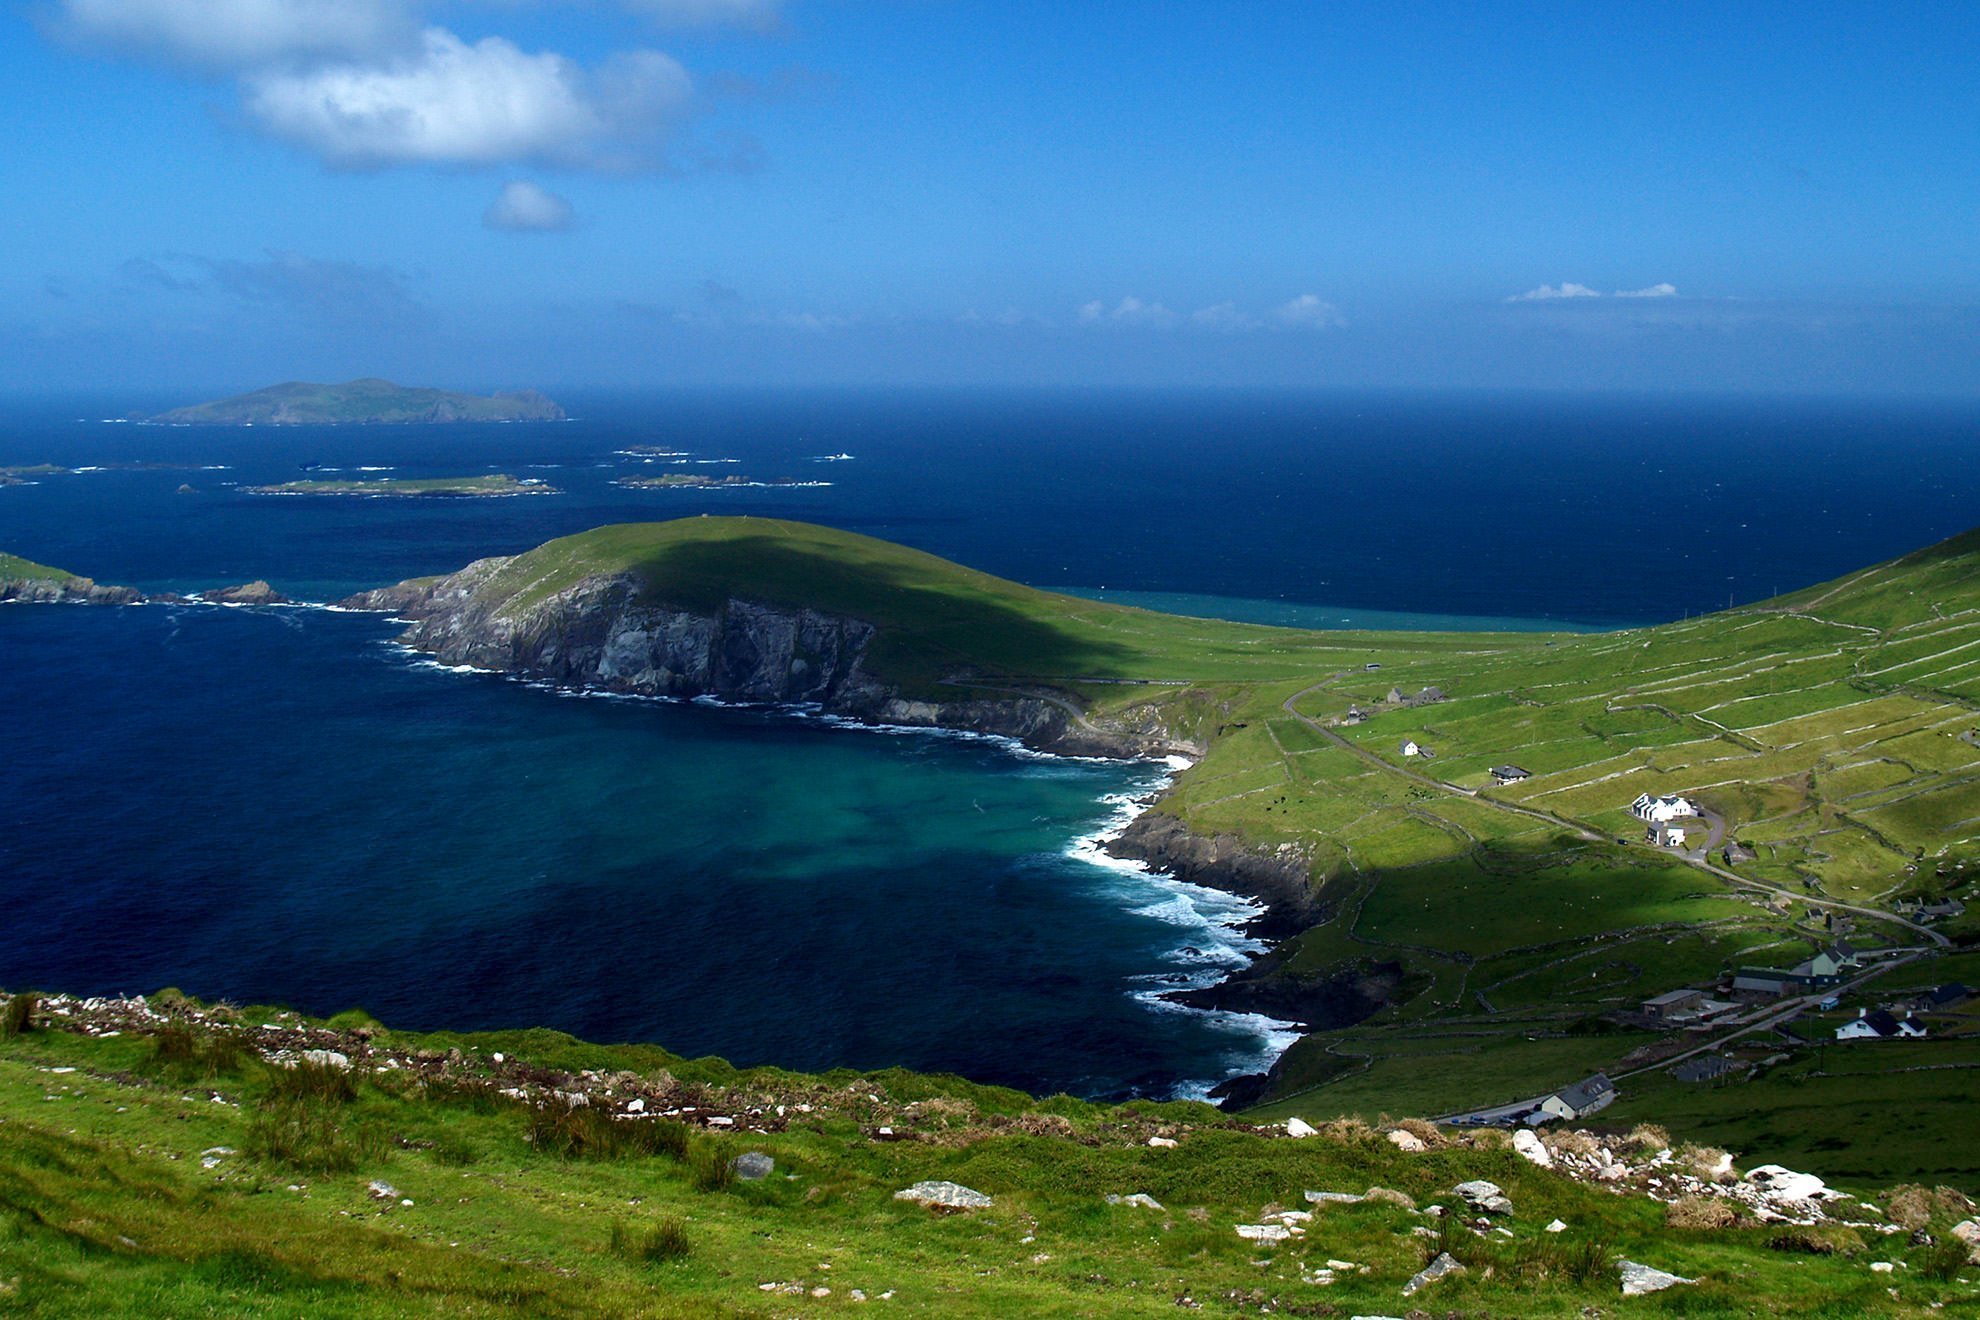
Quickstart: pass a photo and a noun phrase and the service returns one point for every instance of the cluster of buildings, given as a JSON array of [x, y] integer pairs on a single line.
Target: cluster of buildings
[[1662, 814]]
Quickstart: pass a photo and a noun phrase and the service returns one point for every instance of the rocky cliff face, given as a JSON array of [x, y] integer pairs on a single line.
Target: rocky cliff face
[[1280, 880], [66, 591], [599, 633]]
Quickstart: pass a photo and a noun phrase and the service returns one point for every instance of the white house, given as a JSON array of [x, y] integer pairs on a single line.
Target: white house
[[1666, 836], [1410, 747], [1881, 1025], [1657, 810]]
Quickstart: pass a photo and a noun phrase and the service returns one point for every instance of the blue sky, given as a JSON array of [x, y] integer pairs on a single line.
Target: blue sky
[[663, 192]]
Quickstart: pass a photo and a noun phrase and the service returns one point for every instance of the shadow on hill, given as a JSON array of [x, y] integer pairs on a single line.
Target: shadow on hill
[[934, 618]]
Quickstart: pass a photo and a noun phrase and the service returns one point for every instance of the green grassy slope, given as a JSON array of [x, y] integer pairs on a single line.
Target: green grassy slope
[[153, 1173], [15, 569]]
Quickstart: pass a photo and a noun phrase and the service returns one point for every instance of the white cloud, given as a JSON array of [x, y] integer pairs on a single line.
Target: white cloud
[[488, 103], [1128, 311], [1308, 312], [1654, 291], [758, 15], [524, 208], [1550, 292], [1224, 317], [241, 33]]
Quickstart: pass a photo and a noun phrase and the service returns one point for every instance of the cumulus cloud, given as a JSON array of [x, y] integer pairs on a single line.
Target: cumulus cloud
[[1130, 311], [524, 208], [240, 33], [1654, 291], [1223, 316], [756, 15], [1552, 292], [487, 103], [1308, 312]]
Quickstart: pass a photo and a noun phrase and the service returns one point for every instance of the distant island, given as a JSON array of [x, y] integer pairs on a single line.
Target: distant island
[[695, 481], [495, 485], [368, 402]]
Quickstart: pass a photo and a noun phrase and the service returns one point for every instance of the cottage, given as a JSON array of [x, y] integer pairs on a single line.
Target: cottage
[[1579, 1100], [1395, 697], [1940, 998], [1675, 1005], [1410, 747], [1508, 774], [1847, 956], [1355, 715], [1657, 810], [1429, 696], [1665, 836], [1881, 1025], [1704, 1068]]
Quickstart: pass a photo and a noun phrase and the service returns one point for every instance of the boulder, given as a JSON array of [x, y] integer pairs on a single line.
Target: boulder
[[1640, 1279], [943, 1196], [245, 593], [1781, 1184], [1162, 1143], [1299, 1127], [1445, 1264], [1406, 1141], [1267, 1233], [753, 1166], [1141, 1199], [327, 1059], [1484, 1197], [1968, 1231], [1527, 1142]]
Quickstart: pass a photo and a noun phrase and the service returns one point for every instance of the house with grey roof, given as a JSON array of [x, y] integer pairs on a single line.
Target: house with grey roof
[[1579, 1100]]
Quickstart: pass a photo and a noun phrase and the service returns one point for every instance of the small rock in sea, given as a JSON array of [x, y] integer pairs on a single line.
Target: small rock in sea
[[1527, 1142], [1299, 1127], [186, 488], [752, 1166], [1142, 1199], [1640, 1279], [1407, 1142], [943, 1196], [245, 593], [1445, 1264], [327, 1059]]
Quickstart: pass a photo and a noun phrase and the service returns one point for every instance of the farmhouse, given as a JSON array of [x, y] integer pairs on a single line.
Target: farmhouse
[[1675, 1005], [1880, 1025], [1509, 774], [1410, 747], [1665, 836], [1579, 1100], [1942, 997], [1764, 981], [1657, 810], [1395, 697], [1429, 696]]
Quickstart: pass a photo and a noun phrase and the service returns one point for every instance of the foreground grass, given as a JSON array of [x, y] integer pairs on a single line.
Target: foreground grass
[[131, 1183]]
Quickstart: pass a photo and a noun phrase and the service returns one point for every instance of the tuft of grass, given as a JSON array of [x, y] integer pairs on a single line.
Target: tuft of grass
[[1943, 1261], [651, 1244], [182, 1053], [712, 1170], [312, 1083], [1701, 1212], [585, 1132], [302, 1136], [18, 1018]]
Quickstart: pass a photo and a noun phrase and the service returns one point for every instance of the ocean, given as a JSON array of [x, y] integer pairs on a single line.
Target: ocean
[[280, 806]]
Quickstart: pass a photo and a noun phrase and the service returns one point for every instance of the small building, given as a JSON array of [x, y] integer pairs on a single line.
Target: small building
[[1704, 1068], [1881, 1025], [1770, 982], [1355, 715], [1847, 956], [1581, 1099], [1675, 1005], [1395, 697], [1657, 810], [1942, 997], [1509, 774], [1410, 747], [1737, 852], [1665, 836], [1429, 696]]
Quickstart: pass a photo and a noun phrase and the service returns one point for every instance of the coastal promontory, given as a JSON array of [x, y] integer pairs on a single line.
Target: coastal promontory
[[367, 402]]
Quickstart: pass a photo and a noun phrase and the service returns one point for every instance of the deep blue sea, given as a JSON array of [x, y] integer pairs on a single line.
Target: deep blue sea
[[281, 806]]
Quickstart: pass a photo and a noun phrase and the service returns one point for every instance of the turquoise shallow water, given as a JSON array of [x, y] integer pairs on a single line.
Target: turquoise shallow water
[[280, 806]]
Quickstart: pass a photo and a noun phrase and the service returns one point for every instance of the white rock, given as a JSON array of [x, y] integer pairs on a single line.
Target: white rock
[[1299, 1127], [1264, 1232], [1881, 1267], [326, 1059], [1333, 1198], [1406, 1141], [1527, 1142], [953, 1196], [1557, 1227], [1164, 1143], [1781, 1184], [1141, 1199], [1429, 1274], [636, 1107], [382, 1191], [1640, 1279]]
